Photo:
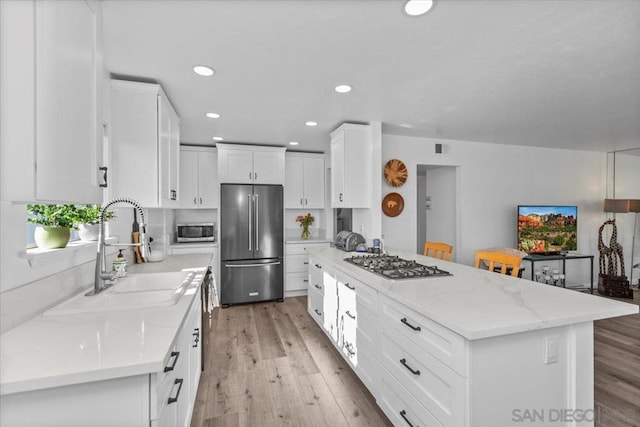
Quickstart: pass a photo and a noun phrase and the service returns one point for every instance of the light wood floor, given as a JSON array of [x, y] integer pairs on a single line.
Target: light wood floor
[[617, 370], [270, 364]]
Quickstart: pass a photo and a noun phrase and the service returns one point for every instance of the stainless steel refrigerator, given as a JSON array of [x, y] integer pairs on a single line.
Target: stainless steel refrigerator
[[251, 243]]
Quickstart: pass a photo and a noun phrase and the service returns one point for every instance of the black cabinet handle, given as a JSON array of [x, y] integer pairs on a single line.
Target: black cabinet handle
[[403, 414], [317, 312], [104, 169], [353, 288], [404, 363], [318, 266], [196, 336], [306, 262], [318, 286], [340, 196], [305, 202], [415, 328], [175, 399], [349, 347], [350, 315], [200, 200], [305, 280], [175, 354]]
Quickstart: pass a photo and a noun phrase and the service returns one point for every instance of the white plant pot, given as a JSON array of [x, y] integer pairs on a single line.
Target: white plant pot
[[89, 232]]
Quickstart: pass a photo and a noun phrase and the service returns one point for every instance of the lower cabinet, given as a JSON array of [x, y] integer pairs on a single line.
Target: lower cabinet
[[296, 267], [414, 367], [156, 399], [177, 384]]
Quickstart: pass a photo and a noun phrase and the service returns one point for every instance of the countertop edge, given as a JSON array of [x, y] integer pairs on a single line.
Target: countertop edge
[[617, 308]]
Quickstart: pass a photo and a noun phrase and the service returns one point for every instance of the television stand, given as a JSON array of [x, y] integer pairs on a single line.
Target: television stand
[[533, 258]]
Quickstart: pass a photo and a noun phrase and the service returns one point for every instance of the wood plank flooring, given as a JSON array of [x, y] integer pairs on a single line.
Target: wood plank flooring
[[617, 370], [269, 364]]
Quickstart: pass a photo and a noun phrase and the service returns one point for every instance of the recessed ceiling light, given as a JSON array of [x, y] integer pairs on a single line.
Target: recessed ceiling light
[[218, 138], [343, 88], [293, 143], [213, 115], [417, 7], [203, 70], [311, 124]]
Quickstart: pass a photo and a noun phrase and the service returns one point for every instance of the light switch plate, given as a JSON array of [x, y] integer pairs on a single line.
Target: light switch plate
[[550, 350]]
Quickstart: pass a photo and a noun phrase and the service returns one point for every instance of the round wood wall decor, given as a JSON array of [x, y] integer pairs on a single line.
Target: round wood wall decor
[[392, 204], [395, 172]]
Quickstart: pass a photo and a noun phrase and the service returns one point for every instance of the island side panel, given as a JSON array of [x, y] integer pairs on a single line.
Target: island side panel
[[511, 383]]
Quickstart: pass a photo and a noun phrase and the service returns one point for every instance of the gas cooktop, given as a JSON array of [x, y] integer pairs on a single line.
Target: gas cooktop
[[394, 267]]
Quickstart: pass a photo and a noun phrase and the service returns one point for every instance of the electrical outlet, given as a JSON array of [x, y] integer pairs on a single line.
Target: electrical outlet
[[550, 350]]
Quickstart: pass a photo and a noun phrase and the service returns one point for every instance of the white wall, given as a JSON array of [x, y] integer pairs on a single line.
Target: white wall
[[491, 181]]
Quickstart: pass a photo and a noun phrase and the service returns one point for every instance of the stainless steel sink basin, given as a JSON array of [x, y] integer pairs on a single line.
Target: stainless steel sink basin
[[134, 292]]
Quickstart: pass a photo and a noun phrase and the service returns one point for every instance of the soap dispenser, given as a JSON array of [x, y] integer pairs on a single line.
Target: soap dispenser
[[120, 265]]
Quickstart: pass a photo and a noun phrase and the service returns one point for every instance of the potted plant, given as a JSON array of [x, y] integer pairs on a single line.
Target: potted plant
[[55, 223], [88, 221]]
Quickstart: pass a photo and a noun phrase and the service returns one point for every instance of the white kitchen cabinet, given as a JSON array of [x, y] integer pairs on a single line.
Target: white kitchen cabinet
[[296, 267], [304, 181], [145, 138], [351, 151], [250, 164], [51, 59], [163, 398], [199, 186]]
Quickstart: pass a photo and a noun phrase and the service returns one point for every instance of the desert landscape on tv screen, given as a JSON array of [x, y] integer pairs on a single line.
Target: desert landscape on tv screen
[[547, 229]]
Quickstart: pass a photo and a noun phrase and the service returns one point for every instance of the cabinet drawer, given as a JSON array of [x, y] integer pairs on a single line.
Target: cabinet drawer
[[315, 306], [297, 263], [301, 248], [315, 282], [440, 342], [368, 368], [297, 281], [364, 295], [429, 381], [367, 333], [401, 408]]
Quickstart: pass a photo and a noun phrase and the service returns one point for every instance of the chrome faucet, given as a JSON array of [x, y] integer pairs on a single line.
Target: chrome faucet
[[102, 276]]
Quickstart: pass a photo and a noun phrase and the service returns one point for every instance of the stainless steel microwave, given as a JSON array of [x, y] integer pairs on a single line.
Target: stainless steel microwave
[[196, 232]]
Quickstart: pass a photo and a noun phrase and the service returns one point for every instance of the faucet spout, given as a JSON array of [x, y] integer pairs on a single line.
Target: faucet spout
[[102, 276]]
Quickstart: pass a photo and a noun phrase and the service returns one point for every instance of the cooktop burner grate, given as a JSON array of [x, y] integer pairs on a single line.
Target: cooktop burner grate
[[394, 267]]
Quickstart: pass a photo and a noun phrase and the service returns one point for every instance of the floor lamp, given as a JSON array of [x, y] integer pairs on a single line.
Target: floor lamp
[[627, 206]]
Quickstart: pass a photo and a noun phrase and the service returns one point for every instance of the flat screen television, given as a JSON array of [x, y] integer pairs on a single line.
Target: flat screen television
[[547, 229]]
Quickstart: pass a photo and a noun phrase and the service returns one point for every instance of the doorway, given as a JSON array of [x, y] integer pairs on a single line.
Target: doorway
[[436, 204]]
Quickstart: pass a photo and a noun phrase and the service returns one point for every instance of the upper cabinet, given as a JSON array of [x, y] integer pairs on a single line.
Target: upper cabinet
[[350, 166], [145, 144], [304, 181], [51, 101], [199, 186], [250, 164]]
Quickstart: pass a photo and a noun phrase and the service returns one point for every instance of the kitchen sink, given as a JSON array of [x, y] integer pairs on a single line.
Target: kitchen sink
[[152, 282], [133, 292]]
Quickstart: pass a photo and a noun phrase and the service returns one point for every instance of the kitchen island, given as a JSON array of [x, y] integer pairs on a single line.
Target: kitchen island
[[472, 349]]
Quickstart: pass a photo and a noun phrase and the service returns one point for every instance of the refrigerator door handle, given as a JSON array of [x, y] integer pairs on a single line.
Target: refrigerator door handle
[[251, 265], [250, 221], [257, 207]]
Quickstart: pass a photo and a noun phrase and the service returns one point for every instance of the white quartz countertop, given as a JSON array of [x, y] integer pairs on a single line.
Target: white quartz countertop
[[53, 351], [480, 304], [298, 239]]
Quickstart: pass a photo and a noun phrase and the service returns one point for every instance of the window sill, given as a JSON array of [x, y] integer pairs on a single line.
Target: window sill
[[77, 252]]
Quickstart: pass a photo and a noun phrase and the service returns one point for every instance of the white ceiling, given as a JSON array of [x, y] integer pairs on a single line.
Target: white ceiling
[[546, 73]]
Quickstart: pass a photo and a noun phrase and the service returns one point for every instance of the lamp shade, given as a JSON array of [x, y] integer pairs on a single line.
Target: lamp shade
[[621, 205]]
